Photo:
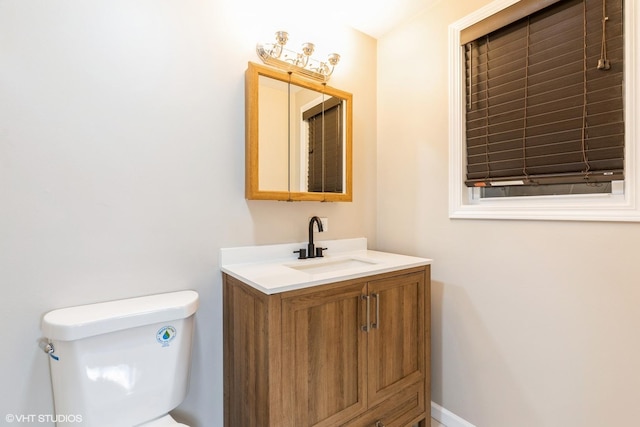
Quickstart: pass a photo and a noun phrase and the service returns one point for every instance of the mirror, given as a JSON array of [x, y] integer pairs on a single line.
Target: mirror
[[298, 138]]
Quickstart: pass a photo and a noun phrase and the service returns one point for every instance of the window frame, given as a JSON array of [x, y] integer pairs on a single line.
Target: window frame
[[621, 205]]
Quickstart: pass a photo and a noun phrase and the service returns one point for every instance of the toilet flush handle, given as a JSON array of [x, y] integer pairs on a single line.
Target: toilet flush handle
[[47, 347]]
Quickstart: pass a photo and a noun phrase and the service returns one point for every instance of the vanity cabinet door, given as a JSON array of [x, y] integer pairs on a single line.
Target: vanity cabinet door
[[396, 348], [353, 353], [324, 356]]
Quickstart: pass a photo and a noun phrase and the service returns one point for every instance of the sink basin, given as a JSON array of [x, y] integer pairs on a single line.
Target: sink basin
[[330, 265]]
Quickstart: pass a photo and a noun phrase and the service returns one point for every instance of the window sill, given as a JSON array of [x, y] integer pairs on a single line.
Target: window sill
[[596, 207]]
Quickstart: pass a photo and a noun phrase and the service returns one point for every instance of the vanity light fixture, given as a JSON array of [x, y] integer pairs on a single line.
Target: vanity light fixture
[[298, 62]]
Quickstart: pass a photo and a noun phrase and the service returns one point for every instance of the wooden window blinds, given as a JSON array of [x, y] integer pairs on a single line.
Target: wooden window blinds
[[325, 171], [544, 97]]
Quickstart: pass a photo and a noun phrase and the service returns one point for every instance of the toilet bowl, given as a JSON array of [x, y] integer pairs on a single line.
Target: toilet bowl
[[121, 363], [166, 421]]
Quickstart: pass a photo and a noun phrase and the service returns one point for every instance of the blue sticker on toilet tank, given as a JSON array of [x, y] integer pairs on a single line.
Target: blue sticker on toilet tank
[[165, 335]]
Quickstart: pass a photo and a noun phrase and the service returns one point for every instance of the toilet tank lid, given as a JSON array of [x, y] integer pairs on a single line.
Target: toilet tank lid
[[73, 323]]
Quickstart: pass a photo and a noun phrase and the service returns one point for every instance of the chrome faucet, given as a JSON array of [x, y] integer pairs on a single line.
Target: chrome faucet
[[311, 251]]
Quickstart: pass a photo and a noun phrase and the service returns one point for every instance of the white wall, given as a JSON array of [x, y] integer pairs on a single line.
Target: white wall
[[121, 174], [535, 324], [122, 165]]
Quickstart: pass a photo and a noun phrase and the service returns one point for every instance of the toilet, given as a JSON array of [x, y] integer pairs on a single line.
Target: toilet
[[121, 363]]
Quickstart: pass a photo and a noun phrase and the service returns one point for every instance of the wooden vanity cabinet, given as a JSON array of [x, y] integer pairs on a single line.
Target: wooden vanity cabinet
[[352, 353]]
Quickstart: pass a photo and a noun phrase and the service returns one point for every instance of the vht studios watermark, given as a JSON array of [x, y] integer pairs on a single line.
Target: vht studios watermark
[[42, 418]]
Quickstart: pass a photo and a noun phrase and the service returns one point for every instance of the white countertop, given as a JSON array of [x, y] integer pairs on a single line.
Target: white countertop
[[273, 269]]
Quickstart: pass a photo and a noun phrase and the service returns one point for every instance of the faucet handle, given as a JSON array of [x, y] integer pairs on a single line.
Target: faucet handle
[[302, 252], [319, 252]]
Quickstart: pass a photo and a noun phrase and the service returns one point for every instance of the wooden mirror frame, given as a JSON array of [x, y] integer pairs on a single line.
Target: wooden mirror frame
[[252, 188]]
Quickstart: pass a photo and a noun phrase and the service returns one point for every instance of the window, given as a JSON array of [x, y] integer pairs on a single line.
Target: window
[[538, 120]]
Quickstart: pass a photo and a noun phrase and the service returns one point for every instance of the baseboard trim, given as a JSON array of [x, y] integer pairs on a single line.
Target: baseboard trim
[[447, 418]]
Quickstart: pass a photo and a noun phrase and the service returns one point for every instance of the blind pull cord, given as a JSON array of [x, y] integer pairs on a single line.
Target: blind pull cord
[[526, 104], [585, 156], [469, 51], [603, 62], [486, 111]]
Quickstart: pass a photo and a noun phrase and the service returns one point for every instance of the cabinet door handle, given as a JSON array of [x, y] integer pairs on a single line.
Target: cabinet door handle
[[379, 423], [376, 324], [365, 328]]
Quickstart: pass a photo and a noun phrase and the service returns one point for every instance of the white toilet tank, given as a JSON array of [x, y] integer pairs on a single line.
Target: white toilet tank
[[120, 363]]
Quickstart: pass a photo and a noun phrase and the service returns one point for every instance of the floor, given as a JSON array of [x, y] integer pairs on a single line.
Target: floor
[[434, 423]]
